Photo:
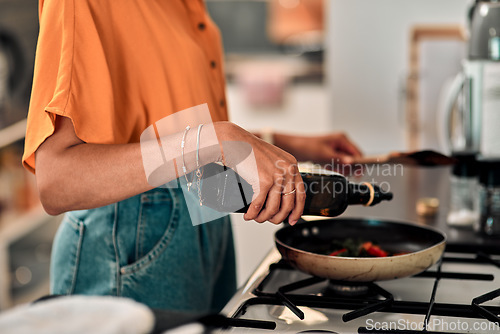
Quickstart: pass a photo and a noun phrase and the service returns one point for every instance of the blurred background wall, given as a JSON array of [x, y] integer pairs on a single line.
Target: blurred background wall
[[367, 67]]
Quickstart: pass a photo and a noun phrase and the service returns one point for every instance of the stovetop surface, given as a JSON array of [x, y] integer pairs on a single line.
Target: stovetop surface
[[462, 278], [459, 290]]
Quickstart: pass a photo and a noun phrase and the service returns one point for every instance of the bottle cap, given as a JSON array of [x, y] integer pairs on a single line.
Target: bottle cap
[[489, 171], [466, 164]]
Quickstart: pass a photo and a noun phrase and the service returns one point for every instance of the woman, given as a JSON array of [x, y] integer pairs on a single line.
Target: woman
[[104, 71]]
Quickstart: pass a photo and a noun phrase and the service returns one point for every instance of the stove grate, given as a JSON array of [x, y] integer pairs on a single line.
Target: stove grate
[[379, 300], [487, 314], [373, 307], [281, 294]]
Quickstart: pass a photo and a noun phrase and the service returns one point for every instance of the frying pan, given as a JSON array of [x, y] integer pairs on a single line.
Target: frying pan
[[303, 246]]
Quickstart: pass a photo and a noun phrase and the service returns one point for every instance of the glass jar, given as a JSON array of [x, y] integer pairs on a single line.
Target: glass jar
[[463, 191], [489, 197]]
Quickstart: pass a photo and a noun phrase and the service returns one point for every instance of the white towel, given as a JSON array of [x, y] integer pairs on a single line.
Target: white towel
[[79, 314]]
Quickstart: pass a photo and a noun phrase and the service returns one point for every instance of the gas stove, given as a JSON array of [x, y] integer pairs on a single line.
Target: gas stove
[[460, 294]]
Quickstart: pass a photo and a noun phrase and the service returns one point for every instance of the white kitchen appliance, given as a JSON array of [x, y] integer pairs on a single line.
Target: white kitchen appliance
[[476, 91]]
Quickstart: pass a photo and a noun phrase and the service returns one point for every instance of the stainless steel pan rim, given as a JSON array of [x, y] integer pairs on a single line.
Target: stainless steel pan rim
[[362, 269], [373, 258]]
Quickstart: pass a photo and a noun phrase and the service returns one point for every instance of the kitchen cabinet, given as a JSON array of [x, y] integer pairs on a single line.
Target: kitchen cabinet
[[18, 38], [21, 214], [26, 230]]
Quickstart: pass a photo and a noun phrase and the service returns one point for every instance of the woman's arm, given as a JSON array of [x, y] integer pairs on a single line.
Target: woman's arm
[[335, 148], [72, 174], [332, 149]]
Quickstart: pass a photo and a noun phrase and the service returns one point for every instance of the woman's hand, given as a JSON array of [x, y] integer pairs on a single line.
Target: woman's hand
[[332, 149], [278, 188]]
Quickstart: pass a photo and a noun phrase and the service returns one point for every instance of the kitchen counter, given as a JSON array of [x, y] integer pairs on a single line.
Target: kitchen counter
[[255, 299], [409, 184]]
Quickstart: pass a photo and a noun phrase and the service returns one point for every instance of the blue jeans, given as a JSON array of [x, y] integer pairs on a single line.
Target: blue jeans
[[146, 248]]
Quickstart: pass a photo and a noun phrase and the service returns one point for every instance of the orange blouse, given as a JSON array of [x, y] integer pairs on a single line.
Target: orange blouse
[[116, 67]]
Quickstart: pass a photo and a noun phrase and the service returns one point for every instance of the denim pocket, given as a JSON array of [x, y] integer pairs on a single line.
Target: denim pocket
[[66, 255], [157, 222]]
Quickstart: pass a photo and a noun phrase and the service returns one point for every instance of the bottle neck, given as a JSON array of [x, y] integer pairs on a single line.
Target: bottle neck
[[362, 193], [366, 194]]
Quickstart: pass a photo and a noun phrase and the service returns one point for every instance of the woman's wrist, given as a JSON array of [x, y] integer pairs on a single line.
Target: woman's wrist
[[206, 143], [235, 143], [226, 132]]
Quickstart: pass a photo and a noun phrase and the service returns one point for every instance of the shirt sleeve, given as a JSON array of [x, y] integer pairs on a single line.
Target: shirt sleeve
[[116, 67], [80, 74], [52, 73]]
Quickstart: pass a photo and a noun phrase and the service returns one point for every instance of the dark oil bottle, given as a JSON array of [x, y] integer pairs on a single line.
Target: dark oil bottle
[[327, 194]]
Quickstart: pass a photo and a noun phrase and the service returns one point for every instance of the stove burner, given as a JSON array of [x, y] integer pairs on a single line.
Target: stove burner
[[347, 289]]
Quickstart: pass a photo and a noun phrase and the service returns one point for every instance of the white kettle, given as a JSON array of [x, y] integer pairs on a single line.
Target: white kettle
[[475, 124]]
